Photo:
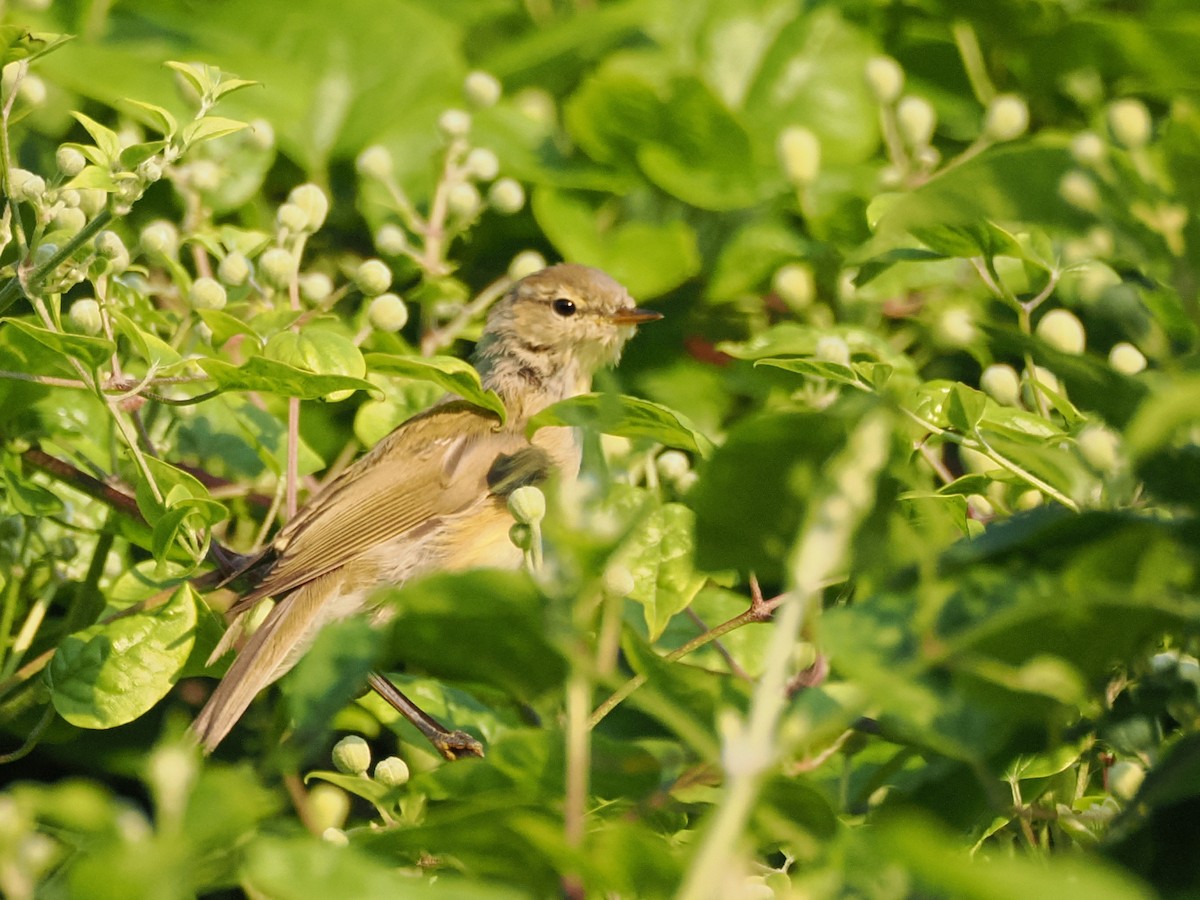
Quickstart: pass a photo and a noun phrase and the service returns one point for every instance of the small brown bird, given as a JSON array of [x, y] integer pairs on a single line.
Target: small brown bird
[[432, 494]]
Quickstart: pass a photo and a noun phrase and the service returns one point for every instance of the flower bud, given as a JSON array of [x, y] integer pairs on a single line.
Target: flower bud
[[1124, 779], [1061, 329], [32, 90], [291, 217], [43, 254], [537, 105], [482, 88], [799, 154], [455, 123], [1028, 500], [618, 582], [234, 269], [277, 267], [1046, 380], [463, 200], [956, 327], [313, 201], [1126, 358], [387, 312], [109, 245], [391, 772], [260, 135], [26, 186], [885, 78], [525, 263], [70, 197], [328, 805], [481, 164], [521, 536], [834, 349], [980, 507], [1100, 447], [375, 162], [673, 465], [207, 293], [1007, 118], [1002, 382], [149, 171], [917, 120], [85, 315], [315, 286], [351, 755], [795, 285], [527, 505], [373, 277], [92, 201], [1087, 149], [204, 175], [1078, 189], [70, 161], [159, 238], [507, 196], [335, 836], [391, 240], [70, 220], [1130, 123]]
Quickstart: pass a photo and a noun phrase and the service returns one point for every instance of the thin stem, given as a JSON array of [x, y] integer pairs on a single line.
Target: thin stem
[[13, 288], [439, 338], [578, 758], [972, 56], [35, 734]]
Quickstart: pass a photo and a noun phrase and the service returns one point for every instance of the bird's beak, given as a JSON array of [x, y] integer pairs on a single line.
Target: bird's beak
[[634, 316]]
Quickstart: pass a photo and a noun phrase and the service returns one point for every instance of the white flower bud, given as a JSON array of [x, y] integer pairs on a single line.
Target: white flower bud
[[1126, 358], [92, 201], [207, 293], [149, 171], [315, 286], [795, 285], [335, 836], [204, 175], [673, 465], [391, 239], [1028, 500], [956, 327], [352, 755], [527, 505], [26, 186], [980, 506], [313, 201], [234, 269], [1007, 118], [507, 196], [391, 772], [291, 217], [482, 164], [70, 197], [1060, 328], [917, 120], [277, 267], [1088, 149], [1078, 189], [85, 315], [1002, 382], [1046, 380], [159, 238], [375, 162], [537, 105], [328, 805], [463, 200], [525, 263], [109, 245], [1124, 779], [43, 254], [1130, 123], [373, 277], [70, 220], [260, 134], [1100, 447], [387, 312], [455, 123], [885, 78], [617, 582], [834, 349], [482, 88], [799, 154], [70, 161]]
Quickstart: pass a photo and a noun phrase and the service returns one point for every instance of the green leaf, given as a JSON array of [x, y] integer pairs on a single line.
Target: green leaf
[[153, 115], [625, 416], [114, 672], [815, 368], [96, 177], [92, 351], [106, 139], [659, 556], [261, 374], [358, 785], [455, 375], [209, 128], [964, 408], [329, 675], [872, 268], [18, 43]]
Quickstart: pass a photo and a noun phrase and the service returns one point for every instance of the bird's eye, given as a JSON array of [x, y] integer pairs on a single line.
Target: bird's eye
[[564, 307]]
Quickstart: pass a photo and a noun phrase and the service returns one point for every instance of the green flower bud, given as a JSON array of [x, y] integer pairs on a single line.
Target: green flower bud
[[291, 217], [527, 505], [85, 315], [834, 349], [482, 88], [315, 286], [314, 202], [980, 507], [537, 105], [335, 836], [70, 197], [374, 162], [507, 196], [352, 755], [956, 327], [159, 238], [463, 200], [204, 175], [885, 78], [1124, 779], [1078, 189], [618, 582], [521, 536], [260, 135], [1007, 118], [795, 285], [525, 263], [277, 267], [328, 805], [481, 164], [1126, 358], [391, 240], [455, 123], [1003, 383], [799, 154], [70, 161], [110, 246], [387, 312], [673, 465], [1130, 123], [92, 201], [1088, 149], [1060, 328], [25, 186], [373, 277], [32, 90], [391, 772], [916, 120], [207, 293], [1100, 447], [70, 220], [234, 269], [1028, 500], [149, 171]]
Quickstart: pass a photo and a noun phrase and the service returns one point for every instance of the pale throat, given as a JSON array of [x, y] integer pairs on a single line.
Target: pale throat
[[530, 379]]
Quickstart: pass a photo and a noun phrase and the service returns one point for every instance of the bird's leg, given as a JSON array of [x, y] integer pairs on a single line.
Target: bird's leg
[[450, 744]]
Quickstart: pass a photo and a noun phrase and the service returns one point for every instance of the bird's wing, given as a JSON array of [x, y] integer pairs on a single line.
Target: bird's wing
[[409, 479]]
